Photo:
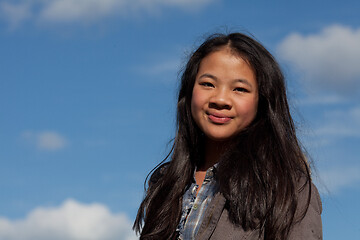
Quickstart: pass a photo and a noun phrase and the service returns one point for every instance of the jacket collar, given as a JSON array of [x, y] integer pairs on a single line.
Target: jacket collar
[[211, 217]]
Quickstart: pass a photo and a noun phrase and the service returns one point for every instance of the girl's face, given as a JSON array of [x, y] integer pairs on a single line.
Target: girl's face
[[225, 95]]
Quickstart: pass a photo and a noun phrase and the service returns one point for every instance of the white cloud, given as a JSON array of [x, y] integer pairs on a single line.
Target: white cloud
[[71, 221], [333, 180], [329, 59], [46, 140], [75, 10], [90, 10]]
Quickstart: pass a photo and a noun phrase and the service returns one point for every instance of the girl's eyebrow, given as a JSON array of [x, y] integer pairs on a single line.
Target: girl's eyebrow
[[208, 75]]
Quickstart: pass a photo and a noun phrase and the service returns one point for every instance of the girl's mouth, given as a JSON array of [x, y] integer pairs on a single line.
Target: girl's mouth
[[218, 119]]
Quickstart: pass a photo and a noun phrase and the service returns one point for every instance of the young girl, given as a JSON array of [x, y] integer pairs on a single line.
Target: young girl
[[236, 170]]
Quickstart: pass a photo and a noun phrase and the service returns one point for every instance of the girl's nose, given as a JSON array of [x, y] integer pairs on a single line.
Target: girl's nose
[[220, 100]]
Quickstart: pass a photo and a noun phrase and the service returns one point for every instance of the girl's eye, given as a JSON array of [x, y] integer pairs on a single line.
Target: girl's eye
[[240, 89], [206, 84]]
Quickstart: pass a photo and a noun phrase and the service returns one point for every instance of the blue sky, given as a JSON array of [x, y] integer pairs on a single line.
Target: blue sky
[[88, 94]]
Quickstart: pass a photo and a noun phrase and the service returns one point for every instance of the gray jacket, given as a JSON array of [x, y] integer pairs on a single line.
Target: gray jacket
[[216, 224]]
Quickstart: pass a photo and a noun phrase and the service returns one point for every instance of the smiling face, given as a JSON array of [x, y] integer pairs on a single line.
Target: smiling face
[[225, 95]]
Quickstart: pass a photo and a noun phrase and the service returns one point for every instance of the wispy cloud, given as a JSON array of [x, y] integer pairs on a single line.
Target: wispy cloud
[[329, 59], [71, 221], [333, 180], [333, 126], [169, 66], [317, 99], [340, 123], [15, 14], [87, 10], [45, 140]]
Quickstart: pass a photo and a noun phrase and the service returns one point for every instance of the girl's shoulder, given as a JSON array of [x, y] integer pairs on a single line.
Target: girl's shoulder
[[308, 192], [307, 222]]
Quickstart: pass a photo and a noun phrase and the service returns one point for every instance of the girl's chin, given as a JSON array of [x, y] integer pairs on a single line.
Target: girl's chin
[[219, 139]]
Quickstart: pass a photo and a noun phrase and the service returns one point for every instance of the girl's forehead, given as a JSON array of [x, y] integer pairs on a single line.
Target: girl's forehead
[[231, 51], [226, 52]]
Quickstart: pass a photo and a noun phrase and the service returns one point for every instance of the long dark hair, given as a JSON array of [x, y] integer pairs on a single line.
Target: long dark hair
[[258, 175]]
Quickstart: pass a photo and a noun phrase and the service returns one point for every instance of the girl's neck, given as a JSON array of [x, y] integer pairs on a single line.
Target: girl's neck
[[213, 151]]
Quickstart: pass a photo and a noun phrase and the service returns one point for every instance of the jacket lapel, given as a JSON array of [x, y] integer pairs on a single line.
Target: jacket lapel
[[211, 217]]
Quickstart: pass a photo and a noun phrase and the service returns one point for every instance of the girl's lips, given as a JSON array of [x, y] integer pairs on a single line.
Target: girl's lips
[[219, 119]]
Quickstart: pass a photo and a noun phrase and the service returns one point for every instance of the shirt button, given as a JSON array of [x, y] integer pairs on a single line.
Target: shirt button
[[195, 206], [194, 190]]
